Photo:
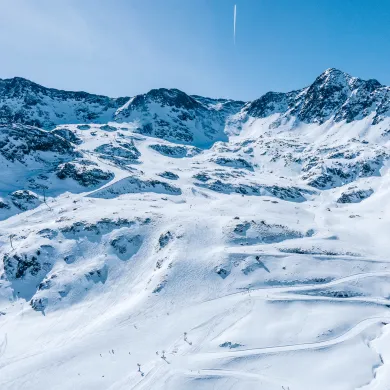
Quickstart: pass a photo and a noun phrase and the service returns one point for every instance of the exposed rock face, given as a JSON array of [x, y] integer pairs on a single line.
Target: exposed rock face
[[18, 142], [339, 168], [68, 135], [165, 239], [175, 151], [333, 93], [255, 231], [255, 189], [24, 200], [179, 117], [4, 205], [169, 175], [123, 153], [126, 245], [39, 304], [100, 227], [355, 195], [131, 185], [86, 175], [26, 270], [17, 267], [25, 102], [233, 162], [97, 275]]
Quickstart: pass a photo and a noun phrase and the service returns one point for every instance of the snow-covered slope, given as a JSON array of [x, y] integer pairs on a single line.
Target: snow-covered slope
[[181, 242]]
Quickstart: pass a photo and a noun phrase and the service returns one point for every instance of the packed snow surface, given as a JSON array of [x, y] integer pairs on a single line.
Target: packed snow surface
[[180, 242]]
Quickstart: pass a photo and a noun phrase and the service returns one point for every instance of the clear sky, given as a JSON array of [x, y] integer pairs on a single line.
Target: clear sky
[[126, 47]]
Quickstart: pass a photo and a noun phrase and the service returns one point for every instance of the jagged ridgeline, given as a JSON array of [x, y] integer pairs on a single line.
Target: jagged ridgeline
[[173, 115]]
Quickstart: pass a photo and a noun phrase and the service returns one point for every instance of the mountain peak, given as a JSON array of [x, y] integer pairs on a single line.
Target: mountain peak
[[18, 85], [333, 93], [333, 76], [172, 97], [17, 80], [334, 71]]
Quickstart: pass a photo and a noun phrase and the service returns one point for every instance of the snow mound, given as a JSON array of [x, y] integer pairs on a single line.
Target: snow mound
[[131, 185]]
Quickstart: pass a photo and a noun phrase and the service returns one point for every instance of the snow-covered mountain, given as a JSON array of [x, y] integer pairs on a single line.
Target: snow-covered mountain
[[334, 94], [168, 114], [25, 102], [216, 243]]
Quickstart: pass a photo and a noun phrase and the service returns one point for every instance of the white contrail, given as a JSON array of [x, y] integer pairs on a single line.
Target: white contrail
[[234, 26]]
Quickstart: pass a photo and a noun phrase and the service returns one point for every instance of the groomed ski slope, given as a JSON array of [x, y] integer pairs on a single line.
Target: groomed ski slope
[[272, 293]]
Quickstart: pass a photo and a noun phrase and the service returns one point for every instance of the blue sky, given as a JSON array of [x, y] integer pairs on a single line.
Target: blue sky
[[126, 47]]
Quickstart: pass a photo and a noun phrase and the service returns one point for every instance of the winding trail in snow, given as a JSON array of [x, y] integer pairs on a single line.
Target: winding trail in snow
[[236, 374], [3, 346], [269, 291], [162, 372], [353, 332]]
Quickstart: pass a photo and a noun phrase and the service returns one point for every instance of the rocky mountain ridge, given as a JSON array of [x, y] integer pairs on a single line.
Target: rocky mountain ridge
[[333, 94], [173, 115]]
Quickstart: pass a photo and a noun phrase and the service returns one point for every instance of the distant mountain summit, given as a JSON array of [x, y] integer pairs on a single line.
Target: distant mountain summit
[[166, 113], [333, 94], [175, 116], [25, 102]]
